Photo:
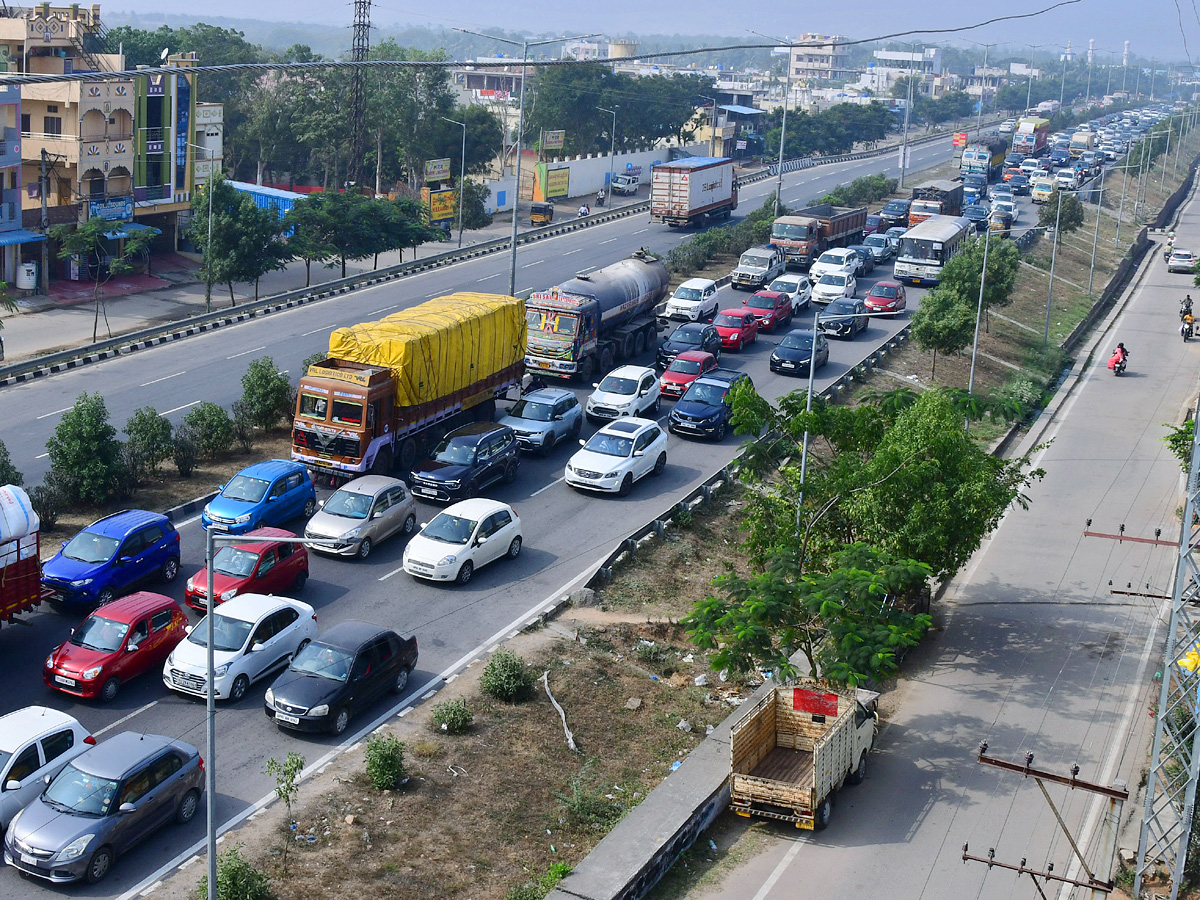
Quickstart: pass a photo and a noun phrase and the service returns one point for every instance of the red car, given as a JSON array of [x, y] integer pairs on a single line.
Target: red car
[[117, 642], [737, 328], [269, 567], [683, 370], [886, 297], [771, 308]]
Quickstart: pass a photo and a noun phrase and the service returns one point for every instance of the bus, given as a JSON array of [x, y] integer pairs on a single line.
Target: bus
[[925, 249]]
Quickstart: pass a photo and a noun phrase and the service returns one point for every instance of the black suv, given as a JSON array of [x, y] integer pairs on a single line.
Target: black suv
[[691, 336], [894, 214], [467, 460], [705, 407]]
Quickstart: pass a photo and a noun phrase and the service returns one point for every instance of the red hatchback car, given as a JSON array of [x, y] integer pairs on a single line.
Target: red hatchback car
[[683, 370], [771, 308], [270, 567], [886, 297], [117, 642], [737, 328]]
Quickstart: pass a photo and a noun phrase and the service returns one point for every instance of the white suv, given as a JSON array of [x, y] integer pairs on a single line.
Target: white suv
[[36, 743], [693, 301], [617, 455], [840, 261], [625, 391]]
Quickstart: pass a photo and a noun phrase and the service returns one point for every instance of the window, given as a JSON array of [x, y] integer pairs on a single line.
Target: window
[[56, 745], [26, 763], [151, 535], [264, 632], [396, 495], [501, 518], [285, 550], [25, 126], [138, 785], [267, 563], [133, 545], [161, 619], [382, 503], [293, 481], [139, 633], [52, 125], [382, 651], [279, 488], [164, 767]]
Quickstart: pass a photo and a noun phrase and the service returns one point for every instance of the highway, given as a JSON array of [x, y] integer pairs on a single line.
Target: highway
[[565, 532]]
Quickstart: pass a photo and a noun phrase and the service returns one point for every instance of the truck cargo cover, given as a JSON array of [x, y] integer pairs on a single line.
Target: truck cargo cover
[[17, 518], [441, 346]]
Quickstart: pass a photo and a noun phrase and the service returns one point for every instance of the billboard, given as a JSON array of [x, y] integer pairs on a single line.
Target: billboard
[[442, 205], [437, 170], [960, 139], [553, 140]]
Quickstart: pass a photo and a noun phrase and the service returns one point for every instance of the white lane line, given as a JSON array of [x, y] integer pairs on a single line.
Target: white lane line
[[55, 413], [41, 456], [178, 408], [779, 870], [547, 487], [640, 231], [451, 678], [488, 277], [150, 890], [124, 719], [315, 330], [187, 862], [536, 262], [195, 518], [609, 241], [375, 312], [164, 378], [246, 352], [390, 574], [569, 252]]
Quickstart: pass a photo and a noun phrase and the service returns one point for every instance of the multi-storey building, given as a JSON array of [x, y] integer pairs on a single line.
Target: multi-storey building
[[821, 56]]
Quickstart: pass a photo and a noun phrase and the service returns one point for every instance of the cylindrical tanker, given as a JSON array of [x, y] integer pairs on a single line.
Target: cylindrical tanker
[[590, 322]]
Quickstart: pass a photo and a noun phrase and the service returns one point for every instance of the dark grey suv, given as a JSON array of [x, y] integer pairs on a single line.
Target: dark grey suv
[[105, 801]]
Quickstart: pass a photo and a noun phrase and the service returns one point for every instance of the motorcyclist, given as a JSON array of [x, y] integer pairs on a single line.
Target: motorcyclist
[[1117, 361], [1188, 326], [1169, 246], [583, 210], [600, 198], [1186, 306]]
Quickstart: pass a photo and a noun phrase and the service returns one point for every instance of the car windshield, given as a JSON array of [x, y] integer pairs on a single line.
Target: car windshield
[[687, 293], [708, 394], [90, 547], [784, 230], [99, 633], [801, 341], [609, 444], [456, 451], [76, 791], [450, 529], [729, 321], [348, 504], [685, 366], [753, 261], [323, 661], [884, 290], [228, 633], [532, 410], [243, 487], [841, 308], [895, 206], [833, 259], [235, 561], [758, 301], [785, 286], [833, 279], [875, 240], [615, 384], [687, 336]]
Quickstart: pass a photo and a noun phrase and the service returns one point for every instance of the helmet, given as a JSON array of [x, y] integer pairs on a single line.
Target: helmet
[[1121, 346]]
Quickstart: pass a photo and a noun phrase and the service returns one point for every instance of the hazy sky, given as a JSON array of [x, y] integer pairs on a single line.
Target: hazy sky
[[1151, 26]]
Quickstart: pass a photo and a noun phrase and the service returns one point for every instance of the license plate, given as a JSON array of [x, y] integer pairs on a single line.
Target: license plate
[[543, 365], [218, 526], [425, 492], [182, 682], [61, 679], [29, 860], [290, 720], [788, 365]]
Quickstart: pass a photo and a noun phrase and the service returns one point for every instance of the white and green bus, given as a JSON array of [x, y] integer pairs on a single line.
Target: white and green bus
[[926, 248]]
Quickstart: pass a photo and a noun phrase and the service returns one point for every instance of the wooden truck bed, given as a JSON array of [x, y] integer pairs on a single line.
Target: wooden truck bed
[[782, 764]]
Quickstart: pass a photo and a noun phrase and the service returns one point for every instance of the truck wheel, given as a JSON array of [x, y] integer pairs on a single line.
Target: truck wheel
[[587, 370], [383, 462], [823, 814], [857, 776], [651, 336], [628, 346], [639, 343], [606, 360], [408, 455]]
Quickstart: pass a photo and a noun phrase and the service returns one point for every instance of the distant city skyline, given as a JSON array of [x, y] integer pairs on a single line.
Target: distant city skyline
[[1152, 28]]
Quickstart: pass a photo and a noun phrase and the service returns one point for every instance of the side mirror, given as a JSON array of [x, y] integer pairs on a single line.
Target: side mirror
[[423, 524], [126, 560], [639, 452], [187, 629], [131, 648], [378, 514], [47, 779], [126, 808], [582, 442], [480, 541], [64, 545], [257, 646], [12, 785], [321, 504], [272, 499], [558, 418], [595, 384]]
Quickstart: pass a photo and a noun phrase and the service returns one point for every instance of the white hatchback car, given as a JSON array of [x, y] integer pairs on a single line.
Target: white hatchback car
[[625, 391], [797, 287], [617, 455], [840, 261], [1007, 206], [834, 286], [254, 636], [693, 301], [462, 538], [35, 743]]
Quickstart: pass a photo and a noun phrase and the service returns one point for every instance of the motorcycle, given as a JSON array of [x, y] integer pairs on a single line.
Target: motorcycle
[[1185, 310], [600, 198], [1116, 362], [1187, 330]]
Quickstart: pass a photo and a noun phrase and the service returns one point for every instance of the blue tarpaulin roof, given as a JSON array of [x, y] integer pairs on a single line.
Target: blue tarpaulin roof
[[124, 230], [743, 110], [19, 236]]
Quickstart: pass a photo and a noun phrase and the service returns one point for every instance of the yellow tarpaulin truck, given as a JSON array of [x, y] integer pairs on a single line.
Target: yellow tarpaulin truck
[[389, 389], [796, 747]]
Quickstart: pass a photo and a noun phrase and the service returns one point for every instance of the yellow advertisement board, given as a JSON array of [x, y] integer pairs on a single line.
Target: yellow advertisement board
[[551, 183], [443, 205]]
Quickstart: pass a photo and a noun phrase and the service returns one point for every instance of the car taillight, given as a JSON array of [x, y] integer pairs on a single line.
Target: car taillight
[[201, 763], [90, 740]]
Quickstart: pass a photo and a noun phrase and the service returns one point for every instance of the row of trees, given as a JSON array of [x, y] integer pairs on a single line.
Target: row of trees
[[834, 131], [951, 105]]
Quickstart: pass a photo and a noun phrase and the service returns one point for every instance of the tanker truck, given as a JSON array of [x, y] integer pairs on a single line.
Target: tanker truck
[[596, 318], [389, 390]]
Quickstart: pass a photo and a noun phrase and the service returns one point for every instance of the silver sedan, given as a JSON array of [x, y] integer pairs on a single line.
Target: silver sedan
[[361, 513]]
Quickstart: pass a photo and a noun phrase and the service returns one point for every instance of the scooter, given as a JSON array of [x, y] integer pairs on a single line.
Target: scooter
[[1186, 329]]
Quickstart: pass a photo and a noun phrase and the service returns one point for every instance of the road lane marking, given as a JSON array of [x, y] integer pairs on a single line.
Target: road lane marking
[[55, 413], [609, 241], [569, 252], [124, 719], [547, 487], [536, 262], [315, 330], [245, 353], [779, 870], [390, 574], [185, 406], [376, 312], [41, 456], [150, 890], [641, 230], [488, 277], [164, 378]]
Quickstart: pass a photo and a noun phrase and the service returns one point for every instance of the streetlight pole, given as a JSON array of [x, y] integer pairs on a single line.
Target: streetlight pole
[[208, 189], [612, 149], [1053, 259], [210, 702], [524, 45], [462, 175], [1121, 211], [907, 114], [1062, 87], [982, 90], [987, 239], [787, 89], [1096, 234], [712, 127], [812, 368]]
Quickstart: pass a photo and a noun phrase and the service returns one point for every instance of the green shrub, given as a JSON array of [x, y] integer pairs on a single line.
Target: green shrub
[[538, 888], [213, 429], [506, 677], [311, 360], [85, 449], [130, 473], [453, 716], [237, 879], [587, 807], [48, 499], [8, 472], [385, 761], [150, 435], [185, 450], [243, 425], [265, 393]]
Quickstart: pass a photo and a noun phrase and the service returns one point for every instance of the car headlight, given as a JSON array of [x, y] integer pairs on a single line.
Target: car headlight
[[81, 582], [221, 671], [50, 661], [353, 532], [613, 474], [322, 710], [190, 586], [241, 520], [75, 849], [13, 821], [171, 658], [736, 334], [447, 560], [92, 673], [229, 594], [269, 696], [453, 484], [206, 512]]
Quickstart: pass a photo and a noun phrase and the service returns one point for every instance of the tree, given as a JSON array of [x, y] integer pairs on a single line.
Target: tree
[[90, 242], [944, 322], [287, 788], [961, 274], [211, 429], [1072, 212], [306, 226], [475, 214], [266, 393], [261, 247], [150, 435], [8, 472], [245, 241], [84, 450]]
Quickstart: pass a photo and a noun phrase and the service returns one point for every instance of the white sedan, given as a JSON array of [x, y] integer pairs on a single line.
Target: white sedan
[[254, 635], [462, 538], [617, 455], [797, 287]]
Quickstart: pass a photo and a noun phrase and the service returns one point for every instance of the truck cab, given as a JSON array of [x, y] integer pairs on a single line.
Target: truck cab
[[343, 418]]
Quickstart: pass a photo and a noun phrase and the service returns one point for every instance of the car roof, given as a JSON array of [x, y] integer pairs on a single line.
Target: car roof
[[732, 311], [630, 371], [117, 756], [475, 508], [352, 634], [698, 283], [477, 429], [270, 469], [689, 327], [252, 607], [885, 283], [33, 721], [259, 546], [119, 524], [627, 427], [131, 607], [774, 295], [694, 355], [548, 395], [367, 484]]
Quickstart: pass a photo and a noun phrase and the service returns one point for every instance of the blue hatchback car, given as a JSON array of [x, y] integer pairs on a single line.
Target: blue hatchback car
[[271, 492], [112, 556], [705, 408]]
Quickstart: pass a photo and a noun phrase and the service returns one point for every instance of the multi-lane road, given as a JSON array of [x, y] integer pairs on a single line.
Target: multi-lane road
[[565, 532]]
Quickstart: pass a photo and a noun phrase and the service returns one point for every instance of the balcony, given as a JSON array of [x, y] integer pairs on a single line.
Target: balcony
[[64, 145], [152, 193]]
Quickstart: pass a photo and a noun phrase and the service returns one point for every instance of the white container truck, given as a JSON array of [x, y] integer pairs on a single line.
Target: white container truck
[[694, 189]]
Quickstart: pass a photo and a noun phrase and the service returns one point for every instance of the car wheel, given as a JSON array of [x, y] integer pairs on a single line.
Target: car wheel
[[99, 865], [410, 524], [465, 573], [657, 405], [514, 548], [823, 814], [548, 443], [310, 507], [304, 643], [720, 433], [626, 485], [340, 720], [301, 578], [106, 596], [660, 464], [108, 693], [578, 429], [364, 548], [401, 681], [187, 807], [241, 684], [471, 491], [857, 776], [510, 472], [169, 570]]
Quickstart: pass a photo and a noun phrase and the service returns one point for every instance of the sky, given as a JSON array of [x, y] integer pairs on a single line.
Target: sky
[[1158, 29]]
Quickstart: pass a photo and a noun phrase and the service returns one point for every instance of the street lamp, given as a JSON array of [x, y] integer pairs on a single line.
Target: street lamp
[[1053, 260], [208, 189], [462, 175], [987, 239], [712, 128], [524, 45], [787, 89], [982, 85], [612, 148], [907, 112]]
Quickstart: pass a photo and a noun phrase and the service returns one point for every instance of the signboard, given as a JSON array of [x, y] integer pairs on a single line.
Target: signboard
[[818, 703], [442, 205], [631, 169], [741, 145], [437, 170], [960, 139], [558, 182], [115, 209], [553, 140]]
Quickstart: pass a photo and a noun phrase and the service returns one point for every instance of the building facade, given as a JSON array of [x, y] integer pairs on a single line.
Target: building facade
[[821, 57]]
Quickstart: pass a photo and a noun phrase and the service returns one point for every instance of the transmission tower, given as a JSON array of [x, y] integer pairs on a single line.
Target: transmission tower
[[359, 51], [1175, 753]]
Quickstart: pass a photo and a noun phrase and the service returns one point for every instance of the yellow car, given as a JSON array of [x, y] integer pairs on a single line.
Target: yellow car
[[1042, 189]]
